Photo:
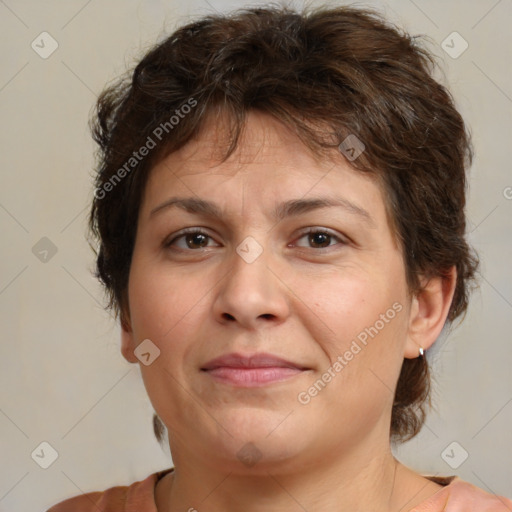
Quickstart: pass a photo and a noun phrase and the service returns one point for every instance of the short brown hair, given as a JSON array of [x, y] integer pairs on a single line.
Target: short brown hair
[[326, 73]]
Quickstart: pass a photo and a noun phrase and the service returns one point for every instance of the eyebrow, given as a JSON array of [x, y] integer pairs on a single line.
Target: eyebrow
[[291, 208]]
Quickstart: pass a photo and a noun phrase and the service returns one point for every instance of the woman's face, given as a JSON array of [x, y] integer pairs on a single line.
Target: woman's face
[[332, 304]]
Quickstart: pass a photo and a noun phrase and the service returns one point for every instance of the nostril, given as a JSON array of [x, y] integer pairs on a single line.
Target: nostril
[[227, 316]]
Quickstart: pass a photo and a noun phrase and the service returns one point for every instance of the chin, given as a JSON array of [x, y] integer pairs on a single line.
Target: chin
[[259, 439]]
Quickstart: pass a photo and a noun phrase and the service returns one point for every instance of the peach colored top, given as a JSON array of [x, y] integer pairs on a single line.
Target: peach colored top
[[456, 496]]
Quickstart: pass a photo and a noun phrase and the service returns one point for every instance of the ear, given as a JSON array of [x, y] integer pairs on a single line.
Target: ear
[[128, 344], [429, 309]]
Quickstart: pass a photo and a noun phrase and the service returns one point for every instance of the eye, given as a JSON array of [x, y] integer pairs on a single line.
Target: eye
[[192, 238], [196, 238], [319, 238]]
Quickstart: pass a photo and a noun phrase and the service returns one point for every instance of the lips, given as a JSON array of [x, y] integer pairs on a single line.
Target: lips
[[251, 371], [261, 360]]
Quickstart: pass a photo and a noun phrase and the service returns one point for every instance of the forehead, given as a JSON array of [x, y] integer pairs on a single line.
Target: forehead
[[263, 139], [270, 163]]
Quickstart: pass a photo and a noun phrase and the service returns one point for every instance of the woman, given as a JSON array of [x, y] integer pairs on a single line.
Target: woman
[[279, 207]]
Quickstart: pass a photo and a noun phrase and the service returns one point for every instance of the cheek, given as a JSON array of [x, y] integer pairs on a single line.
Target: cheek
[[162, 303], [347, 302], [164, 309], [360, 317]]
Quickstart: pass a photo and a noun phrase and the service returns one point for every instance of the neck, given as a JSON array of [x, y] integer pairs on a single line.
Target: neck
[[350, 482]]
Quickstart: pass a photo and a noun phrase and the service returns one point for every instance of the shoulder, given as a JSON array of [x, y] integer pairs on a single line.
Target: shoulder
[[111, 499], [461, 496], [127, 498]]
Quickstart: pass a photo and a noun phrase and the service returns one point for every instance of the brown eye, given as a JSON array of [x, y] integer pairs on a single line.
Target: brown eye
[[196, 239], [191, 239], [320, 239]]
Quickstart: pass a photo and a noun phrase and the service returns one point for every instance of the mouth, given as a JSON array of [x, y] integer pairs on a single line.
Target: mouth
[[252, 371]]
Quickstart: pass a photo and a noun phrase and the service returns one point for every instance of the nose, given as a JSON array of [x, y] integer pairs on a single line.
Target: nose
[[251, 294]]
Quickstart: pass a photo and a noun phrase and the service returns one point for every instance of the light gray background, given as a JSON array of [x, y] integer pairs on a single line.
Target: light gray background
[[64, 380]]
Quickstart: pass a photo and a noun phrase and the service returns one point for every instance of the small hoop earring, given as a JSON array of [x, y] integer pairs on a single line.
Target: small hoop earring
[[421, 351]]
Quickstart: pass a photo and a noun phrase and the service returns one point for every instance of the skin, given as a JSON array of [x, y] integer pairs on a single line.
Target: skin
[[297, 300]]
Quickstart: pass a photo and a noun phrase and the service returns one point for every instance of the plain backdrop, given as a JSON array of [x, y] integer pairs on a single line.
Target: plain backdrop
[[64, 381]]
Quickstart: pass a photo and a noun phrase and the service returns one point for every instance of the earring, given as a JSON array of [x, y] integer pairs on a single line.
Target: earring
[[421, 352]]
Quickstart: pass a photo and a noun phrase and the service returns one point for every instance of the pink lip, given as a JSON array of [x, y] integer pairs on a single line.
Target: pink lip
[[251, 371]]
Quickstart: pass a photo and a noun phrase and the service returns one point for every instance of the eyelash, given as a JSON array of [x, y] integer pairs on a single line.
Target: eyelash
[[309, 231]]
